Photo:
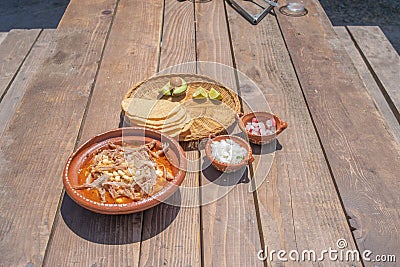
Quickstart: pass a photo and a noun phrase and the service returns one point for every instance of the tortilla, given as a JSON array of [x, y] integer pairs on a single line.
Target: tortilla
[[149, 109], [165, 116], [177, 132], [172, 130], [167, 125], [178, 117], [215, 110]]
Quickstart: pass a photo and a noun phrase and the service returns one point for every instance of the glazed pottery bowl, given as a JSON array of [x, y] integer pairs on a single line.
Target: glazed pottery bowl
[[263, 116], [85, 152], [227, 167]]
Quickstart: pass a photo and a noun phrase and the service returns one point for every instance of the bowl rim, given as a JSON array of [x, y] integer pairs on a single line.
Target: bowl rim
[[124, 208], [249, 156], [283, 124]]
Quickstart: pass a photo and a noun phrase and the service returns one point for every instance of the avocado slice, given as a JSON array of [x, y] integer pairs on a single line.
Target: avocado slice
[[200, 93], [215, 95], [180, 89]]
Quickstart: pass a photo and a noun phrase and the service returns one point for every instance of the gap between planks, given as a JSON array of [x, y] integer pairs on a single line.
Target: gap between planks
[[29, 36], [360, 178], [78, 139], [369, 80], [288, 82], [242, 109], [141, 48], [388, 90], [82, 123], [318, 138], [17, 89]]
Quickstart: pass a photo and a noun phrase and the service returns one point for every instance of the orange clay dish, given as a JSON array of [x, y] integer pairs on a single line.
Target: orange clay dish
[[123, 174]]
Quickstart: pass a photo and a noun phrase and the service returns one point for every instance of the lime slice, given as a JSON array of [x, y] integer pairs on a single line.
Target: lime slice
[[215, 95], [166, 90], [200, 93]]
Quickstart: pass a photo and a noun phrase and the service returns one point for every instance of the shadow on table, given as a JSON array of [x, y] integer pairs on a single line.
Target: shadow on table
[[223, 178], [117, 229], [241, 175], [31, 14], [267, 148], [263, 149]]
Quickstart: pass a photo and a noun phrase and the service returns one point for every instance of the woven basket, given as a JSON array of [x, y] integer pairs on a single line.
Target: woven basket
[[203, 126]]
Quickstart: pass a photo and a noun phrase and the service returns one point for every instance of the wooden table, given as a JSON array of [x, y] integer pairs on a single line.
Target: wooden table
[[335, 174]]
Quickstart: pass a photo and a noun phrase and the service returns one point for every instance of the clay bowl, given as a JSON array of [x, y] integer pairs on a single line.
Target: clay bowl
[[224, 167], [84, 153], [243, 119]]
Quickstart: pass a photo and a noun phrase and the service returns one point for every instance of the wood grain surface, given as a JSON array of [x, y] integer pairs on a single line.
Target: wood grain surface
[[362, 154], [13, 51], [17, 89], [337, 161], [130, 55], [171, 230], [40, 137], [3, 36], [382, 59], [299, 206], [369, 81], [229, 220]]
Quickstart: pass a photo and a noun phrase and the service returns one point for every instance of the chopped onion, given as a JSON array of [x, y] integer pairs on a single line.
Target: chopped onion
[[261, 128], [228, 151]]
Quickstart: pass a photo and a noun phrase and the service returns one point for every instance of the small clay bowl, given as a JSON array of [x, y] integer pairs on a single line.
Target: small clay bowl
[[85, 152], [263, 116], [225, 167]]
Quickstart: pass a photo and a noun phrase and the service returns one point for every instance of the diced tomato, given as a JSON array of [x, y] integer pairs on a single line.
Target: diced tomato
[[254, 120]]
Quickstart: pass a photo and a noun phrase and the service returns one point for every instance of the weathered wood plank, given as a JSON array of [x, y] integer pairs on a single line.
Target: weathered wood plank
[[229, 220], [13, 51], [41, 135], [3, 36], [212, 41], [130, 55], [171, 232], [382, 58], [17, 89], [362, 154], [369, 82], [298, 203], [178, 38]]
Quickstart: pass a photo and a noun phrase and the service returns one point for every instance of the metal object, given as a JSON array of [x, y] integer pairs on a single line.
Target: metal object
[[271, 3], [294, 10], [295, 7], [253, 19]]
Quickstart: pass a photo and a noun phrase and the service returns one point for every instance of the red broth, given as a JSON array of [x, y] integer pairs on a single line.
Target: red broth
[[93, 194]]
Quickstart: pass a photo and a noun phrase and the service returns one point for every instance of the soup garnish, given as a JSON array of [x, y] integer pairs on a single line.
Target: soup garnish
[[123, 174]]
